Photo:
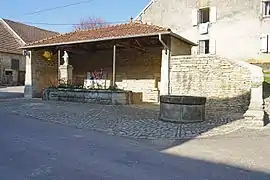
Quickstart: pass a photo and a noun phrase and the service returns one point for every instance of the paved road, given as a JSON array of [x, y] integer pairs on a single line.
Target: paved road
[[11, 92], [32, 149]]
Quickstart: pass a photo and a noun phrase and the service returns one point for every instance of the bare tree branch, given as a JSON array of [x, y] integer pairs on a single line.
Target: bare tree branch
[[89, 23]]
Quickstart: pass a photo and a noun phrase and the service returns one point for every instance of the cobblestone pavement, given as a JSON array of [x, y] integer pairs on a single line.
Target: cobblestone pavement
[[133, 121]]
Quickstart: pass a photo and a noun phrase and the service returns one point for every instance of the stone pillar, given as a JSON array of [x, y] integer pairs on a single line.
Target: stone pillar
[[66, 73], [29, 89], [254, 117], [165, 72]]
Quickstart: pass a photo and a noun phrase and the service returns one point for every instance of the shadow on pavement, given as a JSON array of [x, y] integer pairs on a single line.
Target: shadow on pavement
[[10, 95], [98, 156]]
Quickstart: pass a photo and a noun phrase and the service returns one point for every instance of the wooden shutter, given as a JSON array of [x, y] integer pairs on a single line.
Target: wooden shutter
[[263, 9], [212, 46], [264, 43], [195, 17], [201, 47], [15, 64], [213, 14]]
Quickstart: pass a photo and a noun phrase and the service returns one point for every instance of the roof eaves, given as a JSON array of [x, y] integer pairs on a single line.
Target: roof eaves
[[93, 40], [8, 26]]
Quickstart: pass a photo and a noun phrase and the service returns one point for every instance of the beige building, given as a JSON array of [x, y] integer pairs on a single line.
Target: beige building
[[233, 29], [12, 61]]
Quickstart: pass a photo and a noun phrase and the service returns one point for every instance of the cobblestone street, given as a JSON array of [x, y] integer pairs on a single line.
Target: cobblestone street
[[139, 121]]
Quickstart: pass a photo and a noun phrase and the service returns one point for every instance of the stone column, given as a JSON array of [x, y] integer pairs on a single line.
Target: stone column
[[29, 89], [165, 72], [254, 117]]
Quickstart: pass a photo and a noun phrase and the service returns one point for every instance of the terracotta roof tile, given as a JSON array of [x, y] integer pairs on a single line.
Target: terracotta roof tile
[[29, 33], [107, 32], [8, 43]]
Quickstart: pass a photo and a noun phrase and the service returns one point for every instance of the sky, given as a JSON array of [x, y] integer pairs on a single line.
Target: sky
[[109, 10]]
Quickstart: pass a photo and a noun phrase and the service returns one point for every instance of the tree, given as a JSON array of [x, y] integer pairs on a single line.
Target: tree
[[89, 23]]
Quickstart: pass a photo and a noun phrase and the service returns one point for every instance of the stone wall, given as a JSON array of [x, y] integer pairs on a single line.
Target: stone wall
[[5, 60], [225, 83], [40, 74], [136, 70]]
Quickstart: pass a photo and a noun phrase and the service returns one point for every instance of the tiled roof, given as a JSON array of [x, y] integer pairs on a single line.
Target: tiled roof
[[10, 42], [29, 33], [103, 33]]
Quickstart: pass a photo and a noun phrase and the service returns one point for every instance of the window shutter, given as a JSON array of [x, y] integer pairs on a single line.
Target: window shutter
[[201, 47], [264, 43], [213, 14], [263, 9], [194, 17], [212, 46]]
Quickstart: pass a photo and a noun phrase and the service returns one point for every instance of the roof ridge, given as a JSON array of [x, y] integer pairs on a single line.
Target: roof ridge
[[128, 29], [51, 37], [17, 22], [13, 32]]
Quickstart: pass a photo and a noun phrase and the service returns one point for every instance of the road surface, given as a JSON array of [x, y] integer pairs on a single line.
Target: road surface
[[32, 149]]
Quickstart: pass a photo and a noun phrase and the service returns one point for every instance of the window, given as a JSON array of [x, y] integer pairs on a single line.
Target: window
[[266, 8], [15, 64], [264, 39], [204, 47], [204, 15], [8, 73]]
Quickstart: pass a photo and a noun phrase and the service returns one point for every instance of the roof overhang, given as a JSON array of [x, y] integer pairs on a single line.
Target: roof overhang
[[110, 38]]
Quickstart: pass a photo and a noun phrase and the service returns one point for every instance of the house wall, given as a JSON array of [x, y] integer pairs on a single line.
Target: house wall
[[225, 83], [5, 60], [235, 34]]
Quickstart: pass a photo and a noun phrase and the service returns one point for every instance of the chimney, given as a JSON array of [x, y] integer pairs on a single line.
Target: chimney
[[131, 19]]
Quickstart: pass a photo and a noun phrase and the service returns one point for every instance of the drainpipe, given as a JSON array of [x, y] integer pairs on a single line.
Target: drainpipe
[[166, 47], [162, 42]]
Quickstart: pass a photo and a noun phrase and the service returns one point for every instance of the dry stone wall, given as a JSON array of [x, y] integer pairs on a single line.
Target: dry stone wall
[[225, 83]]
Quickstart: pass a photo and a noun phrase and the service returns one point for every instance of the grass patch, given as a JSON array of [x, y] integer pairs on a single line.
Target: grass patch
[[267, 80]]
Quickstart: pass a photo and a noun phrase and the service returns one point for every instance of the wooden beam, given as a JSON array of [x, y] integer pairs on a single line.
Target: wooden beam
[[132, 47], [59, 63], [114, 63]]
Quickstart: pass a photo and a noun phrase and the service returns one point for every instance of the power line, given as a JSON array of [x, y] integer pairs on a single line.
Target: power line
[[57, 7], [71, 24]]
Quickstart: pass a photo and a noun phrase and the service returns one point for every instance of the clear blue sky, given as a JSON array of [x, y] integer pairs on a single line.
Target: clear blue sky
[[109, 10]]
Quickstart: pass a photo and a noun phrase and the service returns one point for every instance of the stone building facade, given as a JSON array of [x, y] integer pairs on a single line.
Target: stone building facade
[[12, 68], [232, 29], [12, 36]]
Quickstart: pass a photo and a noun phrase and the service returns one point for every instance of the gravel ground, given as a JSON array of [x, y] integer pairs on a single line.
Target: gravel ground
[[139, 121]]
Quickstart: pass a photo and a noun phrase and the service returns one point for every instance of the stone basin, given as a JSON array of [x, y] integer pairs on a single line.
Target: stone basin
[[98, 96], [182, 109]]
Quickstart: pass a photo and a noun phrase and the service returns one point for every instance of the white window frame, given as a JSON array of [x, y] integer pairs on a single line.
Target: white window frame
[[200, 15], [266, 8], [264, 43], [204, 47]]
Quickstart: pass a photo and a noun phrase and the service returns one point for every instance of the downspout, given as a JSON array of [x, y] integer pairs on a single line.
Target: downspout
[[162, 42], [166, 47]]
